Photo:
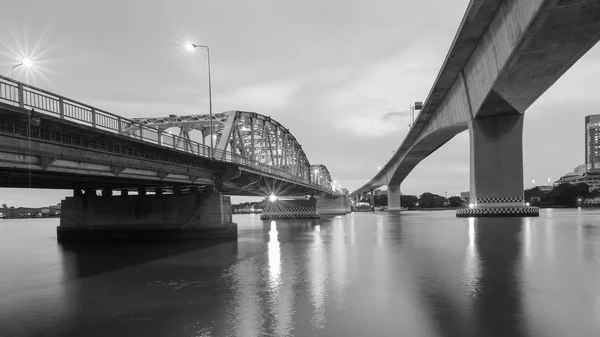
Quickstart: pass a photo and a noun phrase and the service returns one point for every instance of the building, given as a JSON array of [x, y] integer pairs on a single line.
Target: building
[[545, 189], [592, 142], [589, 172]]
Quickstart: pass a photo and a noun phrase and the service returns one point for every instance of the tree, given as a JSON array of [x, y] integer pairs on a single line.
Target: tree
[[455, 201], [409, 201], [380, 200], [567, 194], [4, 206], [430, 200]]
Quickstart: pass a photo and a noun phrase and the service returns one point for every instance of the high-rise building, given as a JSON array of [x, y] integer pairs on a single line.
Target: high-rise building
[[592, 142]]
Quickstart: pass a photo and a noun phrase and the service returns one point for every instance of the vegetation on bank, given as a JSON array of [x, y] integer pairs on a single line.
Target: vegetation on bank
[[12, 212], [425, 200], [563, 195]]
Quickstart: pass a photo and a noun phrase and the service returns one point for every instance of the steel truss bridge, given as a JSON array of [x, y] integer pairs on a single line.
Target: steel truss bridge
[[260, 150]]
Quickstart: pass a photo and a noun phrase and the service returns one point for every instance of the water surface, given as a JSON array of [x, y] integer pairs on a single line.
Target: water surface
[[362, 274]]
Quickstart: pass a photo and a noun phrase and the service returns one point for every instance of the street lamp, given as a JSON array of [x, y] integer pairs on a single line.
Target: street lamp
[[190, 47], [26, 62]]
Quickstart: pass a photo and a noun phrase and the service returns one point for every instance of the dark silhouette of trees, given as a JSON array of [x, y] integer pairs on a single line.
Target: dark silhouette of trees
[[409, 201], [430, 200], [455, 201]]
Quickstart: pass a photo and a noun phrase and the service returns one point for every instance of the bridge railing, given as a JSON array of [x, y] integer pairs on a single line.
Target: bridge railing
[[29, 97]]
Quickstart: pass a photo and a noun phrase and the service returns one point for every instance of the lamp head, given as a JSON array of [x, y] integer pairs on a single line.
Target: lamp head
[[27, 63], [190, 46]]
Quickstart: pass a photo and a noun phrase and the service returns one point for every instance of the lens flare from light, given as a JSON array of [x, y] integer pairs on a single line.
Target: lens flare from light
[[272, 198], [27, 63], [189, 46]]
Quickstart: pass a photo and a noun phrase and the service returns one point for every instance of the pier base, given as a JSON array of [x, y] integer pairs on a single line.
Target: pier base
[[333, 206], [291, 209], [507, 211], [131, 218]]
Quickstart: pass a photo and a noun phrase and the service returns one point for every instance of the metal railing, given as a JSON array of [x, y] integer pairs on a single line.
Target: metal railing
[[29, 97]]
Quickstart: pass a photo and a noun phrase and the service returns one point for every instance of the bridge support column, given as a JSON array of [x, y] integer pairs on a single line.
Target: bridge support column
[[394, 198], [372, 198], [497, 168], [290, 209], [333, 206], [146, 218]]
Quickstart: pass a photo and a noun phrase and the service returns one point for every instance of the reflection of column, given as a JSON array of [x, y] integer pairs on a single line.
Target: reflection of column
[[379, 231], [472, 267], [274, 257], [352, 230], [317, 270], [339, 259], [281, 293], [498, 307], [527, 242]]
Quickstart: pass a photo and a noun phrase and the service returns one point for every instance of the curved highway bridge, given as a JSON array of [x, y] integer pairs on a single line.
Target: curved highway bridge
[[505, 55]]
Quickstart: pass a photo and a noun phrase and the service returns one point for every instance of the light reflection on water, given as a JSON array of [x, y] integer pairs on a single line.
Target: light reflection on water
[[380, 274]]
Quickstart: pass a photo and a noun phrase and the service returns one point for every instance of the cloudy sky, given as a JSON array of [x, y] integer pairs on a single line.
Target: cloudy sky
[[339, 74]]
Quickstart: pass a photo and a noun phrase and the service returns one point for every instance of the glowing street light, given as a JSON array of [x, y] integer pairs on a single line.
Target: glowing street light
[[191, 47], [26, 62], [272, 197]]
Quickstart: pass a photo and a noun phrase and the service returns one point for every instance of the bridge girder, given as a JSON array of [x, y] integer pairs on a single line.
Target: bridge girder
[[246, 137]]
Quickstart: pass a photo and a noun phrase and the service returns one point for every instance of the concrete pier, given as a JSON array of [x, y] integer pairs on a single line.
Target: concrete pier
[[394, 198], [334, 206], [130, 218], [497, 168], [290, 209]]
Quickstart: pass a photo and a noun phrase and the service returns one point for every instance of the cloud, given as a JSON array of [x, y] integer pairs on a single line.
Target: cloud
[[376, 126]]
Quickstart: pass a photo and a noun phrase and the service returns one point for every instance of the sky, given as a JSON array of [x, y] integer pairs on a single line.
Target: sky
[[339, 74]]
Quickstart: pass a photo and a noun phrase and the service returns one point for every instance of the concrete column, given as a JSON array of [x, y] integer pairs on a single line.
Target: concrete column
[[90, 192], [146, 218], [497, 167], [142, 190], [107, 192], [372, 198], [124, 192], [394, 200]]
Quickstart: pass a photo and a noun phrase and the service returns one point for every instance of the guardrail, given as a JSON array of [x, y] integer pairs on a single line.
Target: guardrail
[[26, 96]]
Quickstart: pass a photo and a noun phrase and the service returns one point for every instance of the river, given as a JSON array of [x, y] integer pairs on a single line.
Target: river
[[361, 274]]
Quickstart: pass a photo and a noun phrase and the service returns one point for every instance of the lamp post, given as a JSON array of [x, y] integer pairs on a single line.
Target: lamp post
[[190, 47], [27, 63]]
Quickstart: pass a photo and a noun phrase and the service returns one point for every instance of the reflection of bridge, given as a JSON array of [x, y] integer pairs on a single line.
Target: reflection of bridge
[[50, 141], [505, 55]]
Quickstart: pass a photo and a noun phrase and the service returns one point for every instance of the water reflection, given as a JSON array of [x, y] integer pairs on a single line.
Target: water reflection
[[498, 306], [472, 267], [317, 270], [282, 293], [382, 274], [274, 258]]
